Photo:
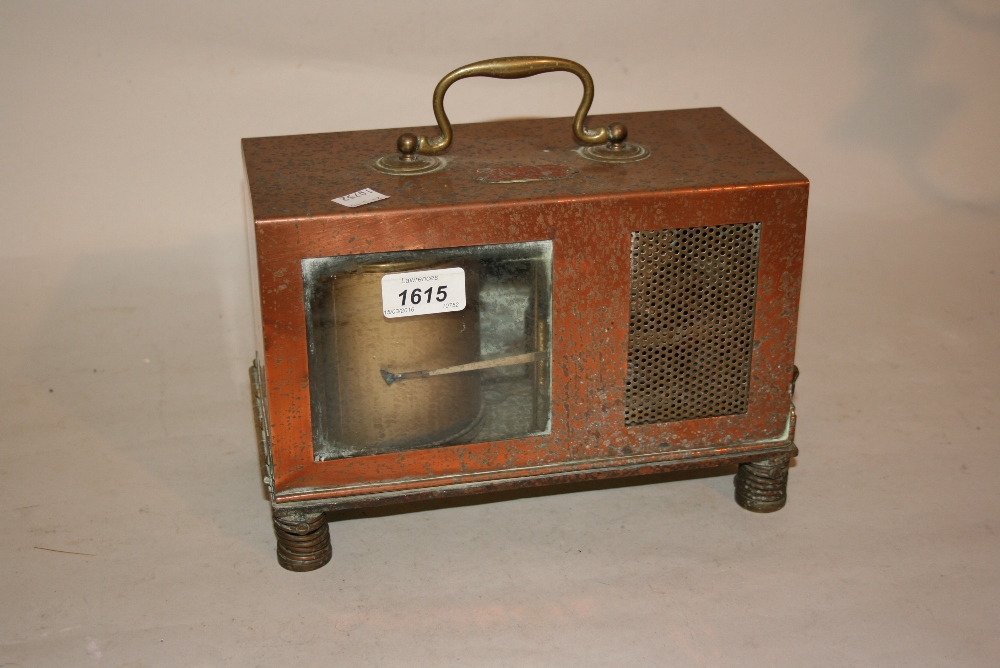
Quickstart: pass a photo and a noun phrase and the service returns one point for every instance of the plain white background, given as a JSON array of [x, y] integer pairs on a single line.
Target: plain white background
[[126, 441]]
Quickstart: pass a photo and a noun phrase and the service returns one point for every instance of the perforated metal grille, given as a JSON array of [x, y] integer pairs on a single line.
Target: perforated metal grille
[[691, 322]]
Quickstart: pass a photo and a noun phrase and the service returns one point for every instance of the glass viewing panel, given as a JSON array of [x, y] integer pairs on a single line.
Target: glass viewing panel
[[422, 349]]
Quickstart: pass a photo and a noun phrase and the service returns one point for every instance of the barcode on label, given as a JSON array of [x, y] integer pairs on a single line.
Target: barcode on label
[[361, 197], [423, 292]]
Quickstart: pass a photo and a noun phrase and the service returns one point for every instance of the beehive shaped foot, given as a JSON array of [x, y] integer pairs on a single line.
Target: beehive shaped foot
[[763, 486], [303, 540]]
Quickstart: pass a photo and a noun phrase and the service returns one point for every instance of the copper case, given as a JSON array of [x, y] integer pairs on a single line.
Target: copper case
[[518, 181]]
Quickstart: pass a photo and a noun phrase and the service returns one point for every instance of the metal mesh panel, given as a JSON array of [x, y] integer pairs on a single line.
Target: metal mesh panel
[[691, 322]]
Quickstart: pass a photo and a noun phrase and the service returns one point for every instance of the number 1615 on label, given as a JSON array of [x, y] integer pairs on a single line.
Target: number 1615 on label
[[423, 292]]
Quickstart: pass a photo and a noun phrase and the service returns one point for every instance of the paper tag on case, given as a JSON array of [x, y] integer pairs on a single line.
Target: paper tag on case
[[423, 292], [360, 198]]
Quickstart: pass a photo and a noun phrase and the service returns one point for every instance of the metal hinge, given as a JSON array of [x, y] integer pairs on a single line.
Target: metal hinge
[[263, 426]]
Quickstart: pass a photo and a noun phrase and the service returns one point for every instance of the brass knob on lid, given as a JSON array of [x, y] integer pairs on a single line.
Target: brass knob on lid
[[617, 133], [407, 145], [408, 162], [616, 149]]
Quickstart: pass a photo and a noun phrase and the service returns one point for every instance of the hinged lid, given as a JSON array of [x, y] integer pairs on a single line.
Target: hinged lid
[[298, 176]]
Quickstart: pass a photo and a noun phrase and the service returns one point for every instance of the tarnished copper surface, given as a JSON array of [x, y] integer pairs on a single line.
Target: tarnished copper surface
[[295, 177], [704, 169]]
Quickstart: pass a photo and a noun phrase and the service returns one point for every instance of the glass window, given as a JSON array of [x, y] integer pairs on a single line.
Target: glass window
[[421, 349]]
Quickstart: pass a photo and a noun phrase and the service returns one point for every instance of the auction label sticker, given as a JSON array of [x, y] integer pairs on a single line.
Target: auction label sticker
[[423, 292], [360, 198]]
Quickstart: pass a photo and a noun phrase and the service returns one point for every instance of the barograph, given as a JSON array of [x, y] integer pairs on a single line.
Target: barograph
[[455, 310]]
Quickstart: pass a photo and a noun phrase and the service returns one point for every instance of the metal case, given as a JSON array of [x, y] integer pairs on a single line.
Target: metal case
[[674, 298]]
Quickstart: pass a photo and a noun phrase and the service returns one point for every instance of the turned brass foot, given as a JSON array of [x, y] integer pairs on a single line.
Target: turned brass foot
[[303, 541], [763, 486]]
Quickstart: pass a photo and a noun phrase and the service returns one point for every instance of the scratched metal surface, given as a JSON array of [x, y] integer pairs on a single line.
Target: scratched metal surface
[[297, 176], [705, 170]]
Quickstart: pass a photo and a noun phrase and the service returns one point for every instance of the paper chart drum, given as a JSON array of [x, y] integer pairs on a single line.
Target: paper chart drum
[[372, 415]]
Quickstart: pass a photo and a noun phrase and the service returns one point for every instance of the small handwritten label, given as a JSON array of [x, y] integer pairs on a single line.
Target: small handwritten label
[[360, 198], [423, 292]]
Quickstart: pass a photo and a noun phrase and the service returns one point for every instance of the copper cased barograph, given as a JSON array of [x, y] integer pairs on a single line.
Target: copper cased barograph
[[661, 324]]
